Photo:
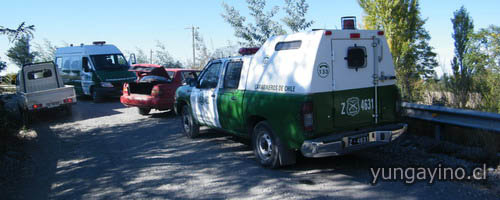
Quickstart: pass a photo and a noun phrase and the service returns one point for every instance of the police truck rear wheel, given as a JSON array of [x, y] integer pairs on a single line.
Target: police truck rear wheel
[[144, 111], [265, 145], [191, 128]]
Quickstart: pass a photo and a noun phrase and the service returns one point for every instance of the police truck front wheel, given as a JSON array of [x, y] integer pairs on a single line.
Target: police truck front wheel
[[268, 149], [191, 128]]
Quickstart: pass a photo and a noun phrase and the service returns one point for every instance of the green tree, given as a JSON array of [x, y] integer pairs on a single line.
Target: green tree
[[20, 53], [21, 31], [162, 57], [484, 57], [140, 56], [461, 81], [264, 26], [3, 65], [408, 40], [296, 11], [45, 52]]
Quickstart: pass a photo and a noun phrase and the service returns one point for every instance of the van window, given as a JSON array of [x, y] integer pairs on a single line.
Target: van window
[[109, 61], [76, 64], [59, 62], [232, 76], [356, 57], [170, 74], [288, 45], [67, 65], [191, 75], [38, 74], [210, 77]]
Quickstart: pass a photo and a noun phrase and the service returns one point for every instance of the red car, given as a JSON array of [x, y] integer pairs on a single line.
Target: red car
[[155, 87]]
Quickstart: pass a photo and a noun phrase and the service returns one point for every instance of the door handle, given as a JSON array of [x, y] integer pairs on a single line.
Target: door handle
[[233, 98], [213, 95]]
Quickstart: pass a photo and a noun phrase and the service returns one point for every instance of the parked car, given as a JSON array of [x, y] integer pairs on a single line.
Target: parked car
[[98, 70], [320, 93], [155, 87], [40, 87]]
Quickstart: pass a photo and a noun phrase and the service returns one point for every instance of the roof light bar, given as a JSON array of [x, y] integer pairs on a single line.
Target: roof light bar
[[248, 51], [99, 42]]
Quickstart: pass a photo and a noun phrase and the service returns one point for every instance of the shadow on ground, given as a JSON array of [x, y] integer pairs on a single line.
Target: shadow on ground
[[148, 158]]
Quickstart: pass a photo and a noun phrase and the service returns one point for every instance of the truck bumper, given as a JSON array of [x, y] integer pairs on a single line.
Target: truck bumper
[[338, 144]]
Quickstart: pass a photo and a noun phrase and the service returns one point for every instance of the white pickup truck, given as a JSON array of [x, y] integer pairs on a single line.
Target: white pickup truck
[[39, 87]]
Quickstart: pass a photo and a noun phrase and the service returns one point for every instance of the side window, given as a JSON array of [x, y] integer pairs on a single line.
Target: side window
[[76, 64], [38, 74], [210, 78], [170, 74], [67, 65], [191, 75], [232, 76], [356, 57], [287, 45], [59, 63]]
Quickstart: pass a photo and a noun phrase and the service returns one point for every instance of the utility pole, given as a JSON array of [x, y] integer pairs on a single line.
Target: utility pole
[[193, 29]]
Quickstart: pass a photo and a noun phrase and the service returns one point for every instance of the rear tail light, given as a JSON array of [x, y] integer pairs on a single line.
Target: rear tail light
[[307, 116], [380, 33], [68, 100], [355, 35], [328, 32], [125, 89], [37, 106], [156, 91]]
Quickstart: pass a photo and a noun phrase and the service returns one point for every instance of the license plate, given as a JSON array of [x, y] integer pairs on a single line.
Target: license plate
[[53, 104], [357, 140]]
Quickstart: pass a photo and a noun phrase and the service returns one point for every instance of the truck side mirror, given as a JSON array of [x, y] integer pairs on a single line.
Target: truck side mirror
[[131, 59], [85, 64]]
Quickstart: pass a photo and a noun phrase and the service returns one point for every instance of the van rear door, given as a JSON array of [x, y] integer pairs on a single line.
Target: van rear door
[[353, 81]]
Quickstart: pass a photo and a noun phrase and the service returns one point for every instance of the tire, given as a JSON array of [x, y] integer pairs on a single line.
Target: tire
[[191, 128], [268, 149], [143, 111], [96, 98]]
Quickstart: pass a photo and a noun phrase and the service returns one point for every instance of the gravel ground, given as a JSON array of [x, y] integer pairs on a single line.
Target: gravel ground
[[108, 151]]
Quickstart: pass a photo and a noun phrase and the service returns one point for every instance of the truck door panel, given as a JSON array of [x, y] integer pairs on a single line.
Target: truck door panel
[[230, 104], [204, 96]]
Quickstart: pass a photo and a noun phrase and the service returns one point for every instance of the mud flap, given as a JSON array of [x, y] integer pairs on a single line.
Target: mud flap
[[287, 156]]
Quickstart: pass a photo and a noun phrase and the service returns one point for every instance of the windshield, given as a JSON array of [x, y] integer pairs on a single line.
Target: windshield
[[109, 61]]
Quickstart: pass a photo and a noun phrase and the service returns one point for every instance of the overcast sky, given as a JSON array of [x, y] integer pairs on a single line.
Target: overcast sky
[[139, 24]]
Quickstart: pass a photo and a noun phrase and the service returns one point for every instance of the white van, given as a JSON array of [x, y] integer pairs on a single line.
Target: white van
[[98, 70]]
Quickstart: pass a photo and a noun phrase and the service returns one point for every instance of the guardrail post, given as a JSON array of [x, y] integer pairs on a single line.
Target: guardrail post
[[437, 132]]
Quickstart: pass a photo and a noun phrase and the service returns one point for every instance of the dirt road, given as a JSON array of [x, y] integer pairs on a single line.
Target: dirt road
[[108, 151]]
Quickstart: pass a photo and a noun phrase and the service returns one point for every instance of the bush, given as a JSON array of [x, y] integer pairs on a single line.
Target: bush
[[10, 126]]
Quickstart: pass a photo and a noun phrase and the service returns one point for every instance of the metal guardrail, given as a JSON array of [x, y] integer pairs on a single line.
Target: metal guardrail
[[452, 116]]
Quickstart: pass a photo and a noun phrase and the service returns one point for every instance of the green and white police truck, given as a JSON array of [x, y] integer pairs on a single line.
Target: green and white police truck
[[320, 93], [98, 70]]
